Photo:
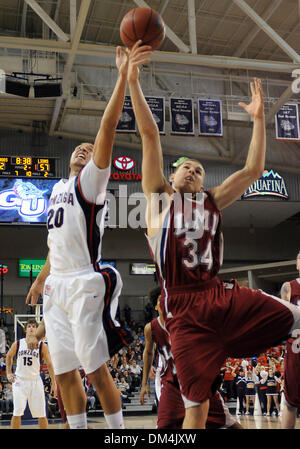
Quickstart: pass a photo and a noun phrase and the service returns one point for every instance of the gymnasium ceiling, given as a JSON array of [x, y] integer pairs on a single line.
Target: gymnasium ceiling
[[212, 48]]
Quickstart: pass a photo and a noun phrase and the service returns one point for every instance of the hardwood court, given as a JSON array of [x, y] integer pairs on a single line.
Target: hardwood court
[[149, 422]]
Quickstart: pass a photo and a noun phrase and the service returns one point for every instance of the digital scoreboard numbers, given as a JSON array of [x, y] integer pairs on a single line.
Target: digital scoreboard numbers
[[27, 166]]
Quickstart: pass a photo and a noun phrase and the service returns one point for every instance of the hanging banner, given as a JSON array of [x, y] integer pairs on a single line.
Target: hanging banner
[[127, 121], [210, 117], [157, 107], [182, 116], [287, 122]]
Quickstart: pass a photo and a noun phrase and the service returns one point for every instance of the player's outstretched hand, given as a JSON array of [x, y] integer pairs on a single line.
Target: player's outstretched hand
[[256, 108], [144, 390], [138, 55], [35, 291], [10, 378]]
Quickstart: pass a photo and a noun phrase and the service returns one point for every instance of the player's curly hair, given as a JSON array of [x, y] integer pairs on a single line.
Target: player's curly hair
[[154, 294]]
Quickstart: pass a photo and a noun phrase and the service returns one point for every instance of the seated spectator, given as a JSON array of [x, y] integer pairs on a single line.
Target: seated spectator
[[136, 372], [7, 398], [91, 398], [53, 408], [123, 387]]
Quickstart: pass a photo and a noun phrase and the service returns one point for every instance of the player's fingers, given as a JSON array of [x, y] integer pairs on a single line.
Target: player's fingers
[[136, 45], [243, 105], [252, 88], [141, 62]]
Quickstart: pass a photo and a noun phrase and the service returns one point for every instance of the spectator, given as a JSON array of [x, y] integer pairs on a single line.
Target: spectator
[[53, 408], [272, 392], [127, 313], [240, 383], [250, 391], [7, 399], [91, 397], [2, 338]]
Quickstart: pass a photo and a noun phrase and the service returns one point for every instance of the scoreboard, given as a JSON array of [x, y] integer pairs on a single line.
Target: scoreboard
[[27, 166]]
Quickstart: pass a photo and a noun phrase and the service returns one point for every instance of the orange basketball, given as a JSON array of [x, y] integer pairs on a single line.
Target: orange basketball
[[145, 24]]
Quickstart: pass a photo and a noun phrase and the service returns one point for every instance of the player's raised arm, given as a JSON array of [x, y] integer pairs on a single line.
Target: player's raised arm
[[37, 287], [105, 138], [235, 185], [152, 164]]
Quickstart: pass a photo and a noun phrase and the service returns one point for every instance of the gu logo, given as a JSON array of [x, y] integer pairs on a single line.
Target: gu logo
[[124, 163], [25, 197]]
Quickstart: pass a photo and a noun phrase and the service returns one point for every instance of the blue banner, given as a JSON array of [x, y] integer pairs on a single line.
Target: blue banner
[[210, 117], [287, 122], [157, 107], [182, 116], [127, 122]]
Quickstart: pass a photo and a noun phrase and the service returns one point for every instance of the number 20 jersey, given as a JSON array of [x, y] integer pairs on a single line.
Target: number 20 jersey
[[75, 220], [188, 249]]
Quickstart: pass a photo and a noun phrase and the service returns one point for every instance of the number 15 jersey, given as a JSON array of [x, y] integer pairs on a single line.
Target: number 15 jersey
[[28, 361], [188, 248]]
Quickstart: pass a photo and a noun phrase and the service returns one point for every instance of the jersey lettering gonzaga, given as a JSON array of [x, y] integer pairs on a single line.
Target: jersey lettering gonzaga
[[28, 361], [75, 219], [188, 249]]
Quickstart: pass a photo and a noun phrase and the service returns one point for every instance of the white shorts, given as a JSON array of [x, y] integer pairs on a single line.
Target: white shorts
[[32, 391], [79, 313]]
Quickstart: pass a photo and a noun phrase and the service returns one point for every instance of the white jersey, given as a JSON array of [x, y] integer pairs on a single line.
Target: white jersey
[[28, 361], [75, 219]]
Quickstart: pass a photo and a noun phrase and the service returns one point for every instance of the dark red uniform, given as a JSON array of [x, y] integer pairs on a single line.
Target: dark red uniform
[[292, 358], [209, 320], [171, 410]]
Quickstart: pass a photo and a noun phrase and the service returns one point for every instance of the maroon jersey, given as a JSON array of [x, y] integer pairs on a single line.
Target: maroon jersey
[[295, 292], [188, 249], [292, 358]]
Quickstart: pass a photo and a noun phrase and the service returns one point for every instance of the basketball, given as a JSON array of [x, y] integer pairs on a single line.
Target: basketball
[[145, 24]]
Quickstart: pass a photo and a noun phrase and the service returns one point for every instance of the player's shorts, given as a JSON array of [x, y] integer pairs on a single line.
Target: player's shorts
[[291, 375], [210, 323], [32, 391], [171, 410], [79, 312]]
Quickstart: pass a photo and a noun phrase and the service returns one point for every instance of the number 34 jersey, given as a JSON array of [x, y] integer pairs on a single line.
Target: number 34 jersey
[[75, 220], [28, 361], [188, 249]]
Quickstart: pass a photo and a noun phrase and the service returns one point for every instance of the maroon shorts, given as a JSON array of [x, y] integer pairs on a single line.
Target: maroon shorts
[[171, 410], [291, 375], [222, 321]]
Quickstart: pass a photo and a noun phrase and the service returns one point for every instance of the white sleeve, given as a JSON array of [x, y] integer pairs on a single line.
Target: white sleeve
[[93, 182]]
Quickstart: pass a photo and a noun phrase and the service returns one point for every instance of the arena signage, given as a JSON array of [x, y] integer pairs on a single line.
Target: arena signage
[[269, 184], [33, 265], [124, 165]]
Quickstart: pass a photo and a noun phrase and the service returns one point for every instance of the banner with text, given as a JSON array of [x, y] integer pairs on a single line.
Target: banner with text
[[210, 117], [157, 107], [287, 122], [127, 121], [182, 116]]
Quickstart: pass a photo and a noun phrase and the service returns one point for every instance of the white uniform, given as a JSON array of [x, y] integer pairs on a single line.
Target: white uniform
[[28, 384], [80, 295]]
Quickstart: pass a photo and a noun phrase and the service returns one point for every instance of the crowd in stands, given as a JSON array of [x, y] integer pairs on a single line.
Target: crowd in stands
[[240, 379]]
